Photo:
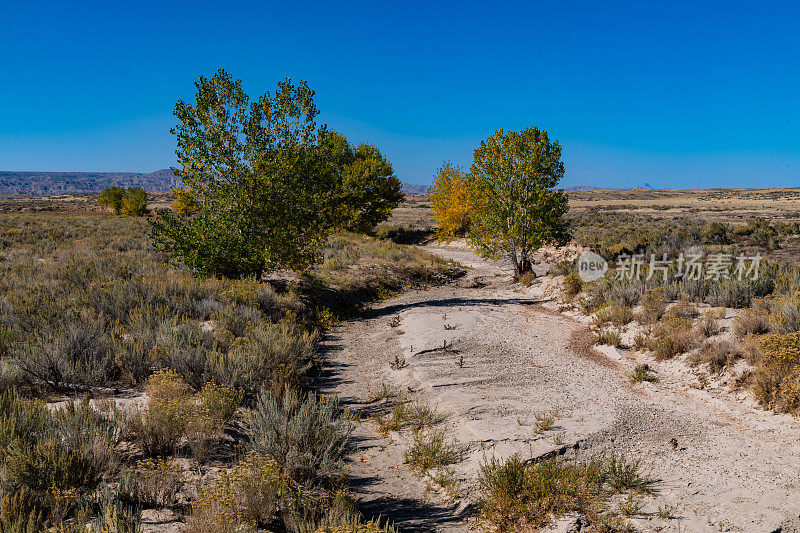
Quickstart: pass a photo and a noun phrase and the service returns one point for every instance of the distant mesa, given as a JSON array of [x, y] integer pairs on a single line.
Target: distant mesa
[[52, 183], [413, 187]]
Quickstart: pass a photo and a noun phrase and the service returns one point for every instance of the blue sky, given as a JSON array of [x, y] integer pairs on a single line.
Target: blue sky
[[675, 94]]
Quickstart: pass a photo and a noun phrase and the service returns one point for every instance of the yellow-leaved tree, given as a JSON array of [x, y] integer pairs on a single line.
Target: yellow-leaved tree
[[450, 202]]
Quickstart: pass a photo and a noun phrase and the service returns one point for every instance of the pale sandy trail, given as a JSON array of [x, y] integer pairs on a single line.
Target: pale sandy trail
[[735, 468]]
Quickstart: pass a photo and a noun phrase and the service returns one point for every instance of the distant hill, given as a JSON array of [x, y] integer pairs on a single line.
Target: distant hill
[[52, 183], [412, 187]]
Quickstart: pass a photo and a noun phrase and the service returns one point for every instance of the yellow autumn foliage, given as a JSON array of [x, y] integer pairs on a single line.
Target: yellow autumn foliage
[[450, 202]]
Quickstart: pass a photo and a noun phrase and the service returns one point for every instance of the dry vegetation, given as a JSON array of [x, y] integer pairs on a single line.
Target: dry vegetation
[[169, 391]]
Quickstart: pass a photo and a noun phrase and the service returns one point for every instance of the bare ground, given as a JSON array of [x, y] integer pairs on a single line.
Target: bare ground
[[492, 354]]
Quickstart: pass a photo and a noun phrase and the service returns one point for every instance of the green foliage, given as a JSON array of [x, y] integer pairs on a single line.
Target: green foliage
[[430, 450], [48, 457], [515, 493], [305, 434], [134, 203], [263, 185], [367, 189], [515, 208], [255, 175], [111, 197], [131, 202]]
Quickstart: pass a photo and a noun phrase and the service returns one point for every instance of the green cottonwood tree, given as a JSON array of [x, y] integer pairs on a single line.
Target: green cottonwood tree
[[134, 202], [367, 189], [253, 173], [112, 197], [515, 208]]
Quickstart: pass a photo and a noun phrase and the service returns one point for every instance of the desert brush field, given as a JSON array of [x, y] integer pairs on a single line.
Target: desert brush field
[[401, 383]]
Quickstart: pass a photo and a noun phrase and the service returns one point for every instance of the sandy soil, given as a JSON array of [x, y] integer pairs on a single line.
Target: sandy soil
[[491, 354]]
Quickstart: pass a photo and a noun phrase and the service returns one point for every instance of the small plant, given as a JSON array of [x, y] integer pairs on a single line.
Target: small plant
[[623, 473], [395, 321], [446, 479], [399, 363], [666, 511], [545, 421], [449, 327], [571, 286], [610, 337], [708, 326], [629, 506], [430, 450], [643, 372], [384, 393]]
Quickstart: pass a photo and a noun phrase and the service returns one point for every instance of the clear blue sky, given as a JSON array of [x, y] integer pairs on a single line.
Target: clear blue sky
[[669, 93]]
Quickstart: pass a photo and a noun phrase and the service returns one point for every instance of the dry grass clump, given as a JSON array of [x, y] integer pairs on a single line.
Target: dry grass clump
[[785, 315], [776, 379], [516, 494], [682, 309], [173, 413], [154, 483], [407, 415], [751, 322], [708, 325], [610, 337], [717, 355], [672, 337], [615, 314], [571, 286], [654, 305], [430, 450]]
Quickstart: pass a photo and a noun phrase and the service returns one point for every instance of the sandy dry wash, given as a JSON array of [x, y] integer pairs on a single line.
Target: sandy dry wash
[[491, 355]]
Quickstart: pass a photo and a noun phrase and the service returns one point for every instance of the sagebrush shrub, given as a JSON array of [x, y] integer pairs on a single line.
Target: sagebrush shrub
[[751, 322], [305, 434]]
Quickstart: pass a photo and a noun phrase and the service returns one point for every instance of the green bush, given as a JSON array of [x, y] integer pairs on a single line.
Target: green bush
[[305, 435]]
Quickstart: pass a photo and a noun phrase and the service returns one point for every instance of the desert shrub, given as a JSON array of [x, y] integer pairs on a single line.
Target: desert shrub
[[643, 372], [776, 379], [153, 483], [717, 355], [618, 315], [61, 354], [430, 450], [654, 305], [672, 337], [572, 285], [750, 348], [785, 316], [159, 427], [49, 457], [305, 434], [610, 337], [115, 517], [708, 326], [515, 493], [751, 322], [270, 355], [249, 495], [682, 310]]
